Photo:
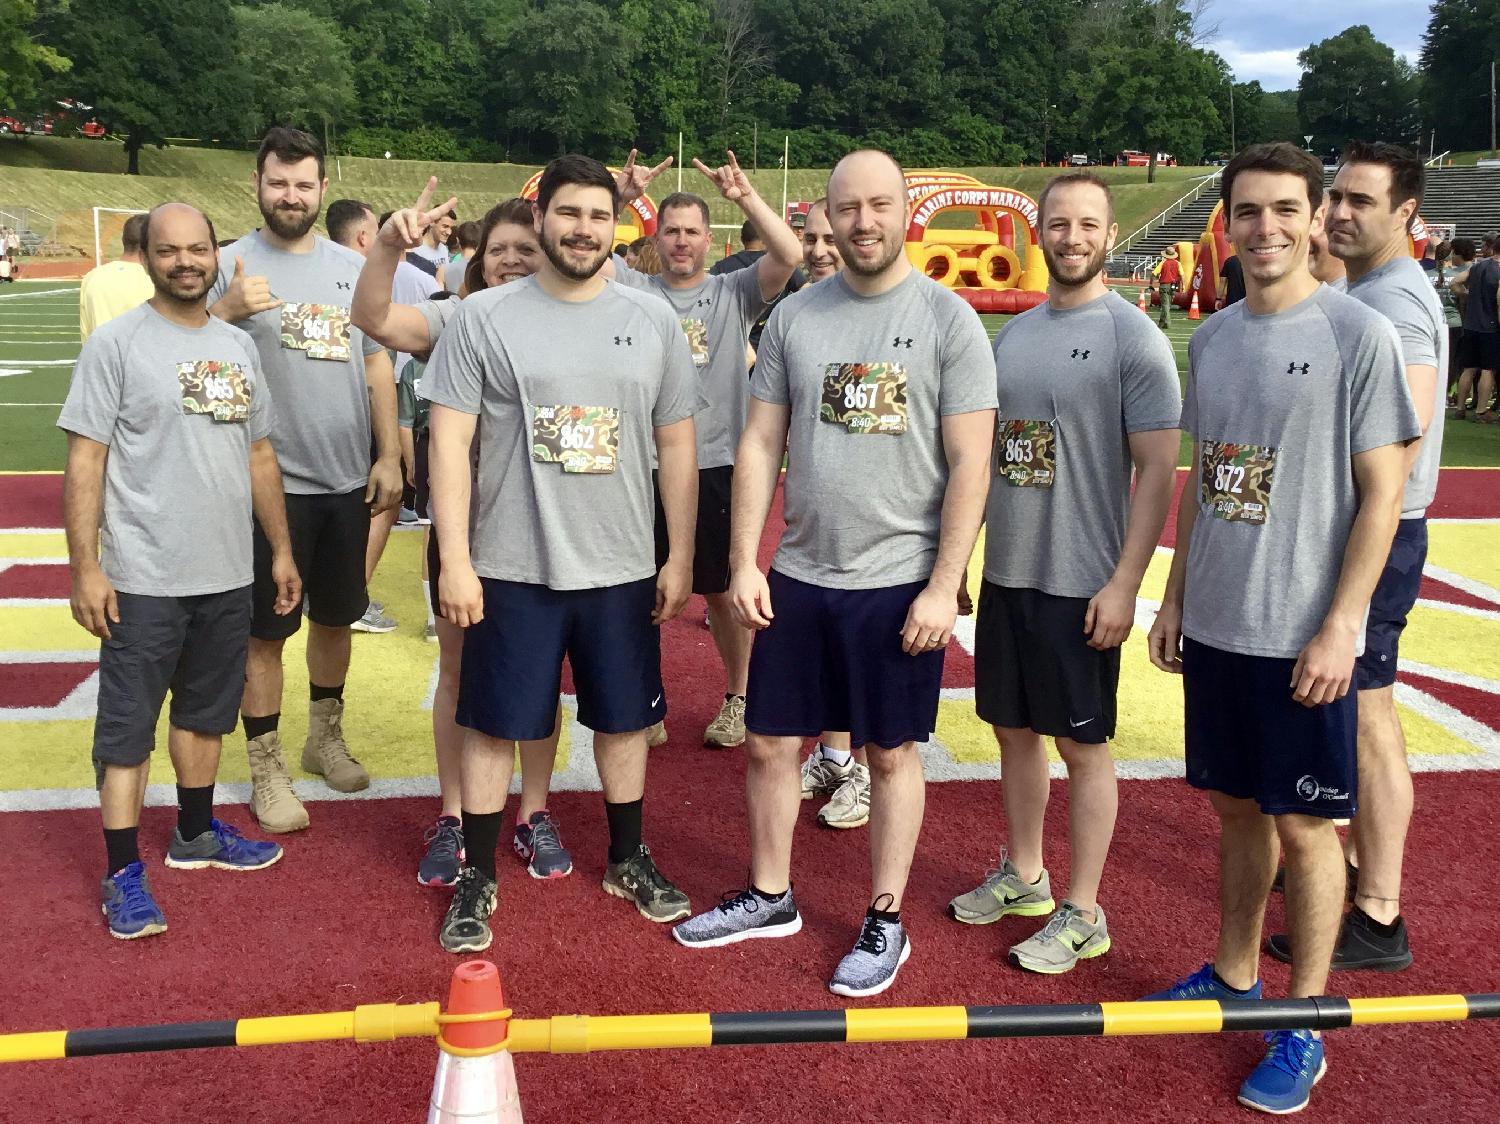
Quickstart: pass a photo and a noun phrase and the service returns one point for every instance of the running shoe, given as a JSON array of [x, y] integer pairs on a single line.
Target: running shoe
[[1282, 1083], [429, 633], [871, 967], [374, 620], [223, 847], [1202, 985], [638, 881], [850, 806], [466, 927], [129, 908], [741, 916], [821, 776], [406, 517], [1360, 945], [540, 847], [444, 858], [1003, 892], [728, 727], [1067, 938], [656, 735]]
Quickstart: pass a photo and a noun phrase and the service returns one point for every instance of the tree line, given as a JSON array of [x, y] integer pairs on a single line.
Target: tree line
[[935, 82]]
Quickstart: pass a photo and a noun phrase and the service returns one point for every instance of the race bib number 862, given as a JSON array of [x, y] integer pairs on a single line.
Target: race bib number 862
[[1237, 480], [580, 438]]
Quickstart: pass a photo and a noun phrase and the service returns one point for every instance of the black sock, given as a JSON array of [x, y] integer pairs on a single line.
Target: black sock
[[1218, 979], [1380, 928], [624, 829], [318, 694], [195, 810], [121, 846], [765, 897], [890, 917], [481, 837], [255, 727]]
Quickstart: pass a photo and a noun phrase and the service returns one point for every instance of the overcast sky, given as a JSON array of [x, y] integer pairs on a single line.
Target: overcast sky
[[1261, 39]]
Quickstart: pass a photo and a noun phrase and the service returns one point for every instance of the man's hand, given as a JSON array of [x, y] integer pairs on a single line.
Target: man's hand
[[460, 596], [1164, 641], [632, 180], [245, 296], [404, 229], [965, 602], [94, 603], [383, 492], [1110, 615], [288, 583], [732, 183], [674, 585], [750, 598], [1325, 668], [929, 622]]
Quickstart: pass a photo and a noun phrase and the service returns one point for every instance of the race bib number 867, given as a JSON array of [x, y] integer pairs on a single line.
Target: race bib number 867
[[865, 397], [1237, 480]]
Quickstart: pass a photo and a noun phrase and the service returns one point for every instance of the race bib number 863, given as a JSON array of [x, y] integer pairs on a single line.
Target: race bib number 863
[[1025, 453], [1237, 480], [580, 438]]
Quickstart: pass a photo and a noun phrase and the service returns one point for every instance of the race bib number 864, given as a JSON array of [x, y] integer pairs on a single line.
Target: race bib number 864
[[1237, 480], [580, 438], [321, 330]]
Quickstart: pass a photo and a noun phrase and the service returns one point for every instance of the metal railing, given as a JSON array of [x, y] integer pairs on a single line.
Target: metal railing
[[1159, 220], [1437, 161]]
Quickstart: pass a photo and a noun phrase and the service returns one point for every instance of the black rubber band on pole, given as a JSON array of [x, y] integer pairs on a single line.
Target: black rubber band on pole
[[1036, 1021], [140, 1039], [762, 1028], [1485, 1006]]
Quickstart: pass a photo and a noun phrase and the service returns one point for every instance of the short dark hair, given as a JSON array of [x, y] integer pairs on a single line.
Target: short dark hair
[[1492, 240], [467, 234], [130, 235], [1068, 179], [384, 216], [575, 169], [684, 199], [1408, 178], [289, 146], [1275, 156], [213, 238], [1463, 248], [342, 216], [748, 233]]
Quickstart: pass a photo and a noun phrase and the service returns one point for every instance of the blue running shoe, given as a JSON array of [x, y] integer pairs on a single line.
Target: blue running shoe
[[1283, 1081], [540, 847], [1202, 985], [128, 905], [221, 846]]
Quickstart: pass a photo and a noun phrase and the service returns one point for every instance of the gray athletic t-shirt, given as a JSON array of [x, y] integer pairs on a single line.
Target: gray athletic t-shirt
[[178, 408], [868, 381], [1280, 404], [716, 319], [313, 359], [567, 394], [1074, 383], [1401, 292]]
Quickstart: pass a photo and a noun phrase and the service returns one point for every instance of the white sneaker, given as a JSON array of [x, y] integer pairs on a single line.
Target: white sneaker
[[850, 806], [822, 776]]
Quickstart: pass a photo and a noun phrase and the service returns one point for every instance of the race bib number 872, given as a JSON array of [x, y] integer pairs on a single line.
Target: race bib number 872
[[865, 397], [1237, 480], [580, 438]]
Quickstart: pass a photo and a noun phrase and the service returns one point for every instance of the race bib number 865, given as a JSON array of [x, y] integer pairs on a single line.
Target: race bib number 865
[[215, 388], [1237, 480], [580, 438]]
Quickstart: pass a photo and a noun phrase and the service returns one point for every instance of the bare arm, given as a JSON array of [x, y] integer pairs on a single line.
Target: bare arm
[[756, 469], [383, 491], [1421, 379], [677, 472], [1164, 644], [451, 433], [1111, 612], [93, 598], [409, 455], [398, 326], [783, 250], [269, 501]]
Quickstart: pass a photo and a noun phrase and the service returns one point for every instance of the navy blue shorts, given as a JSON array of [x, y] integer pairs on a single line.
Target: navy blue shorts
[[1249, 739], [1395, 594], [832, 660], [512, 665]]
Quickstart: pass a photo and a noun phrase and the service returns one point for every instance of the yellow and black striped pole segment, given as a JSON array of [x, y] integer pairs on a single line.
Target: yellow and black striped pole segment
[[580, 1034]]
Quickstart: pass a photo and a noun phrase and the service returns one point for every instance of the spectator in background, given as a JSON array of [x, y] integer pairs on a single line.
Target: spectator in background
[[117, 286], [632, 252], [647, 260], [467, 235], [1454, 275], [433, 252], [752, 250], [1480, 345], [1231, 282], [7, 267], [1323, 265], [1429, 260], [1168, 281]]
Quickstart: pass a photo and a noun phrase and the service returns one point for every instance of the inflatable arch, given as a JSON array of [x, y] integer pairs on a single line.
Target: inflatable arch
[[996, 264], [636, 221]]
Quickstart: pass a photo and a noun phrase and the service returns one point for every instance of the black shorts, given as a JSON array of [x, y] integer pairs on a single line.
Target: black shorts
[[1249, 739], [330, 534], [1479, 350], [832, 660], [1395, 594], [711, 538], [194, 646], [1034, 669], [422, 486], [512, 662]]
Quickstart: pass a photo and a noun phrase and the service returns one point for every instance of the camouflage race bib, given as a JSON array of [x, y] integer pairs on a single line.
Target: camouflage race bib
[[1237, 480], [215, 388], [580, 438], [321, 330], [696, 332], [865, 397], [1026, 453]]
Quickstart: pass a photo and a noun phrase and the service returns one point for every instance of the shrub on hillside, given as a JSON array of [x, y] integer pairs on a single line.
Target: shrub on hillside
[[425, 143]]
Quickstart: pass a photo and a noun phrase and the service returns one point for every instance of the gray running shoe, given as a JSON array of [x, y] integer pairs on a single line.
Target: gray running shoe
[[850, 806], [374, 620], [638, 881], [741, 916], [1001, 893], [822, 777], [466, 928], [430, 632], [1067, 938], [882, 948], [540, 847], [727, 730], [444, 858]]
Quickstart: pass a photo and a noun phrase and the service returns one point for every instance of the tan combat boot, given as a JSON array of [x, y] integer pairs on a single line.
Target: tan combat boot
[[272, 801], [326, 753]]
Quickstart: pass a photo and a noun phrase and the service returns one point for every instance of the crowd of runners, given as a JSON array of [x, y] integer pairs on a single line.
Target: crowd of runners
[[595, 444]]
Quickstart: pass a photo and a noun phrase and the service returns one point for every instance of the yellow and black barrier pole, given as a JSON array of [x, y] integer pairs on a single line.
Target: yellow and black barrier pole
[[581, 1034]]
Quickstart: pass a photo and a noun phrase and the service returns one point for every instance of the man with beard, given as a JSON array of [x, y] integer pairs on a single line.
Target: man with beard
[[717, 312], [291, 291], [1088, 390], [572, 383], [168, 422], [884, 383]]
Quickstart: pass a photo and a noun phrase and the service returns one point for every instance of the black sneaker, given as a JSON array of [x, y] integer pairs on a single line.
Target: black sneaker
[[1359, 946], [466, 928], [637, 880]]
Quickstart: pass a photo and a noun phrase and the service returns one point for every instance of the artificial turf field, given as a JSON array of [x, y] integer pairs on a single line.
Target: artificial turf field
[[341, 920]]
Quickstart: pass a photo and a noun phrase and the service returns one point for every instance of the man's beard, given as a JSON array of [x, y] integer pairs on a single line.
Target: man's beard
[[289, 223], [168, 284], [848, 252], [1091, 268], [553, 248]]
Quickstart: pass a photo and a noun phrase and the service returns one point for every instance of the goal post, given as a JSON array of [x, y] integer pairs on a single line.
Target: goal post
[[108, 223]]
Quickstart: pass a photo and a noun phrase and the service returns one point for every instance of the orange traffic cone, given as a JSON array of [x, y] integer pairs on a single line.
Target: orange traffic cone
[[1140, 300], [1193, 311], [476, 1079]]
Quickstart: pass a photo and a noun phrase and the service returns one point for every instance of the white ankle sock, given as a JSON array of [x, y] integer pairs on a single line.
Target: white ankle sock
[[839, 757], [427, 600]]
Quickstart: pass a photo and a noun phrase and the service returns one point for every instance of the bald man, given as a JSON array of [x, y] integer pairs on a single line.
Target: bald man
[[880, 386], [169, 451]]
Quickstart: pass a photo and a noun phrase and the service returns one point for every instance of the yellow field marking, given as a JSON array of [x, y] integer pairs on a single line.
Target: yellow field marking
[[1467, 549], [33, 546]]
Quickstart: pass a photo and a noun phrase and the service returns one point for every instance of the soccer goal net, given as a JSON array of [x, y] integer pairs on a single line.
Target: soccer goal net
[[108, 224]]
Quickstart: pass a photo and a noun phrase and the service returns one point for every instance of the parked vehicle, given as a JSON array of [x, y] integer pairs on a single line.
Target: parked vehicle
[[1079, 160], [13, 125]]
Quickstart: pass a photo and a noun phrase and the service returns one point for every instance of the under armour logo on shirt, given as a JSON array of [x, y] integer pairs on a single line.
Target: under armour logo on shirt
[[343, 284], [1294, 368], [899, 342], [623, 340], [1083, 354], [705, 302]]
